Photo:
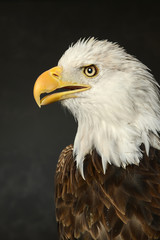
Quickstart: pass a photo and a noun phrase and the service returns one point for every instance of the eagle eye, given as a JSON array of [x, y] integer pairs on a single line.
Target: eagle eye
[[90, 71]]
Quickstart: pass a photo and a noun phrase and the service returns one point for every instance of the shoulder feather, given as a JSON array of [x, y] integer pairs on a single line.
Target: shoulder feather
[[121, 204]]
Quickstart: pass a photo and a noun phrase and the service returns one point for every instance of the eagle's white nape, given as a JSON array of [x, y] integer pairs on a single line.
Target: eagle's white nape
[[120, 111]]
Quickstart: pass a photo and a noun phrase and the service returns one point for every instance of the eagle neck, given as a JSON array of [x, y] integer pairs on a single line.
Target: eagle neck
[[117, 144]]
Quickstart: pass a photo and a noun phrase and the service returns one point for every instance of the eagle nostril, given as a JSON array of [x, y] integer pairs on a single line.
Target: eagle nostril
[[55, 72], [54, 75]]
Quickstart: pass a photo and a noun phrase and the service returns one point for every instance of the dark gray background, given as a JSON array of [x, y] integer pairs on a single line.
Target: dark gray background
[[33, 36]]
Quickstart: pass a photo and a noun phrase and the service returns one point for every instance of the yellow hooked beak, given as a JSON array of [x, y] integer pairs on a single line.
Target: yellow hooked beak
[[51, 80]]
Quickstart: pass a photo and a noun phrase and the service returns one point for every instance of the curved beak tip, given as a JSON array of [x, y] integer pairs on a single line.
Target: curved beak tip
[[39, 105], [36, 96]]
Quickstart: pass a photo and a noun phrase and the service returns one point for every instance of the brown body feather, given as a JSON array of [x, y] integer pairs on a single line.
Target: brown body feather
[[123, 204]]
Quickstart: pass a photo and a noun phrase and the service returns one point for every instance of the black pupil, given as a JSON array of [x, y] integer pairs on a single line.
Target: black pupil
[[90, 70]]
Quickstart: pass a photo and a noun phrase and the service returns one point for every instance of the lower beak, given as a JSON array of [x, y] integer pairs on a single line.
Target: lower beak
[[51, 80]]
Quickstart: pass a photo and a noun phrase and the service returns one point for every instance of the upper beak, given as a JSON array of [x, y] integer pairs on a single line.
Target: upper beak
[[51, 80]]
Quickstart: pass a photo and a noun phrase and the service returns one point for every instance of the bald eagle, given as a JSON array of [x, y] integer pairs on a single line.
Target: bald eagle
[[108, 181]]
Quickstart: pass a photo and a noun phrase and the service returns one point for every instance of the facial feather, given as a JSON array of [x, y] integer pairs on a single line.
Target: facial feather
[[120, 110]]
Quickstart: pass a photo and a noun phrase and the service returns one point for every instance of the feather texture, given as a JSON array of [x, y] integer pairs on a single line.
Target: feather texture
[[120, 111], [123, 204]]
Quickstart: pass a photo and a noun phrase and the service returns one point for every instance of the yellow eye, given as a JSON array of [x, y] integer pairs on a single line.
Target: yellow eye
[[90, 71]]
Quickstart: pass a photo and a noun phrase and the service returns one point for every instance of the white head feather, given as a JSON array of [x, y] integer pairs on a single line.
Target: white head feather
[[120, 111]]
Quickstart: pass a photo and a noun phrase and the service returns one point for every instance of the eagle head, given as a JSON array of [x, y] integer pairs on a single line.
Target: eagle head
[[112, 95]]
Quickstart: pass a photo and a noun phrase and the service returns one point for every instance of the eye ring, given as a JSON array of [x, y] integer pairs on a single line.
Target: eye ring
[[90, 71]]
